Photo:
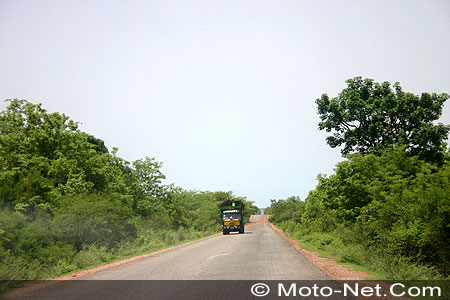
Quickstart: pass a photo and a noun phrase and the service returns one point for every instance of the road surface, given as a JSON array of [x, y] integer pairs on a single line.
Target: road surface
[[259, 254]]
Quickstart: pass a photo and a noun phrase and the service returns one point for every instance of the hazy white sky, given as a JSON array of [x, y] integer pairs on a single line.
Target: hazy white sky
[[222, 92]]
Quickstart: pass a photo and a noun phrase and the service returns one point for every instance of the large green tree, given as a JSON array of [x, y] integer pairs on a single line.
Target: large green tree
[[367, 117]]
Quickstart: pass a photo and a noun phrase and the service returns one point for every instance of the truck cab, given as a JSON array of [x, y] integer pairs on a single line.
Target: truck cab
[[232, 219]]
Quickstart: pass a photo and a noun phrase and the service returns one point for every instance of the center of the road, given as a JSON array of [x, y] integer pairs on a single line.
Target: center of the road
[[217, 255]]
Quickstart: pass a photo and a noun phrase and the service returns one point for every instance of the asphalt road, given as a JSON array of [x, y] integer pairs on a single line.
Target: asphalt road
[[259, 254]]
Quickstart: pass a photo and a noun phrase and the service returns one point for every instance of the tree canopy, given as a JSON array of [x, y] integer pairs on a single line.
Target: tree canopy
[[368, 117]]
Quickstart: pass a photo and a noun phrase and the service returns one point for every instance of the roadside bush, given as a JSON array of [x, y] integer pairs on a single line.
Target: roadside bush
[[91, 255], [319, 239], [400, 268], [18, 268]]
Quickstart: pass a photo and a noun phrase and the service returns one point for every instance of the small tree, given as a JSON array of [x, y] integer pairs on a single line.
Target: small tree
[[367, 117]]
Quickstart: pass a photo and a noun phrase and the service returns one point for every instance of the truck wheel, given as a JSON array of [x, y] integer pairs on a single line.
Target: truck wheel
[[241, 230], [225, 232]]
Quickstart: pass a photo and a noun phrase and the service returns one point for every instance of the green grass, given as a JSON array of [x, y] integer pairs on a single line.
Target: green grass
[[327, 254]]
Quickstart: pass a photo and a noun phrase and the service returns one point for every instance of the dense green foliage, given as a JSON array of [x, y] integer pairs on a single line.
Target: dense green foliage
[[368, 117], [387, 207], [389, 212], [66, 202]]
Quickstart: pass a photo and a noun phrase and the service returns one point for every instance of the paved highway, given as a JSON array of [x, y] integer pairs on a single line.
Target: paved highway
[[259, 254]]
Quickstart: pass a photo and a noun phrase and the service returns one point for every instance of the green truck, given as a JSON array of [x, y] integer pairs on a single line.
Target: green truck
[[232, 218]]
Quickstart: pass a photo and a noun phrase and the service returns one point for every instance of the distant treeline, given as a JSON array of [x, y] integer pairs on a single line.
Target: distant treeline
[[67, 202], [387, 206]]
